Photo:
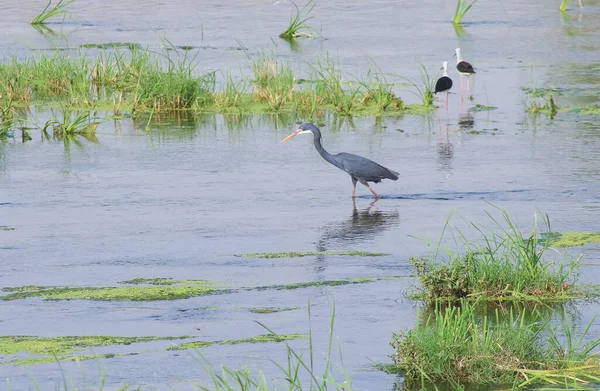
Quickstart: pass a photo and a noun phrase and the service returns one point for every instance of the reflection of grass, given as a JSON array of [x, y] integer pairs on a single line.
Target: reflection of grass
[[503, 265], [456, 345], [311, 253]]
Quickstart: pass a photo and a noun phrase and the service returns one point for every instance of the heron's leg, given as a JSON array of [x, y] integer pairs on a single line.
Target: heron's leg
[[373, 191], [354, 187]]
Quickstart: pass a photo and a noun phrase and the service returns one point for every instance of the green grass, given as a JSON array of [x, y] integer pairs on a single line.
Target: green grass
[[298, 25], [462, 7], [49, 12], [564, 4], [454, 345], [165, 281], [294, 254], [504, 264], [274, 81], [424, 88]]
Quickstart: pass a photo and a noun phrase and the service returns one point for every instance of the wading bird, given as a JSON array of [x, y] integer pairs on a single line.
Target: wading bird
[[464, 68], [444, 83], [359, 168]]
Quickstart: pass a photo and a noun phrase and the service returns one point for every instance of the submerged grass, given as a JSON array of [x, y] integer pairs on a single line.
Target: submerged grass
[[504, 265], [454, 345], [294, 254], [263, 338], [571, 239], [272, 310]]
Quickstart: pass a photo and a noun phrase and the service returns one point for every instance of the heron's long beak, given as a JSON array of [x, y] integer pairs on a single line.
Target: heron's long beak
[[296, 132]]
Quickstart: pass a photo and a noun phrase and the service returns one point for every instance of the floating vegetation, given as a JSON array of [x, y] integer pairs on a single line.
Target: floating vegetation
[[547, 107], [479, 107], [263, 338], [455, 345], [298, 26], [311, 253], [504, 265], [164, 281], [6, 228], [47, 13], [142, 289], [133, 293], [349, 281], [68, 344], [272, 310], [81, 357], [112, 45], [572, 239], [461, 10]]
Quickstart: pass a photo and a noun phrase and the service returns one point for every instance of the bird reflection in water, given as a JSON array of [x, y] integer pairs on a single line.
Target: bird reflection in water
[[445, 149], [362, 225]]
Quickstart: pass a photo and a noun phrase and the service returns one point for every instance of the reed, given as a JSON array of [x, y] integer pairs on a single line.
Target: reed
[[462, 7]]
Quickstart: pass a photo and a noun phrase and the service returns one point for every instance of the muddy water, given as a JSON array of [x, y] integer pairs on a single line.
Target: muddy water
[[182, 200]]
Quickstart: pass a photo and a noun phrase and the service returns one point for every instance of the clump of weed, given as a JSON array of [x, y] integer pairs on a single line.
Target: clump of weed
[[263, 338], [504, 264], [548, 107], [462, 7], [272, 310], [564, 4], [274, 81], [48, 12], [311, 253], [455, 345], [72, 124], [424, 88], [298, 26]]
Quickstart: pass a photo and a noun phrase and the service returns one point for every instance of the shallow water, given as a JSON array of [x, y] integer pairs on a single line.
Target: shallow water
[[182, 200]]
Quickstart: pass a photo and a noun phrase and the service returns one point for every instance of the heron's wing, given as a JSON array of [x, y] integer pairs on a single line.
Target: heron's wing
[[363, 168]]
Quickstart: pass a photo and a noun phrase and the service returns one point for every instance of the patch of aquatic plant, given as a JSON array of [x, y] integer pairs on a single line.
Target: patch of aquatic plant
[[378, 91], [298, 371], [462, 7], [133, 293], [294, 254], [72, 124], [479, 107], [424, 88], [571, 239], [68, 344], [298, 26], [272, 310], [333, 89], [504, 264], [54, 359], [47, 13], [547, 107], [564, 4], [263, 338], [164, 281], [6, 228], [349, 281], [455, 345], [274, 81], [112, 45]]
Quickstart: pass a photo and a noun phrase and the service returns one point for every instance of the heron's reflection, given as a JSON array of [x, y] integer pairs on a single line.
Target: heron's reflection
[[362, 225]]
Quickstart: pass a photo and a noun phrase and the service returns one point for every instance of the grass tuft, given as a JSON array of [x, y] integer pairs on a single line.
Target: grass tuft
[[298, 26], [48, 12], [462, 7], [423, 89], [564, 4], [455, 345], [504, 265]]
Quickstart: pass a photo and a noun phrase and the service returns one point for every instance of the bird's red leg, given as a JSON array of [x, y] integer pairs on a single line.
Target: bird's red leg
[[373, 191], [354, 188]]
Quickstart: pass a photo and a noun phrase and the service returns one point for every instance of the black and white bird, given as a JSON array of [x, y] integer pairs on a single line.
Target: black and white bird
[[444, 83], [464, 68]]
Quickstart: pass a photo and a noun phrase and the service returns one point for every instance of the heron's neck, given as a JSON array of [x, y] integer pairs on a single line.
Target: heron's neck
[[324, 154]]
